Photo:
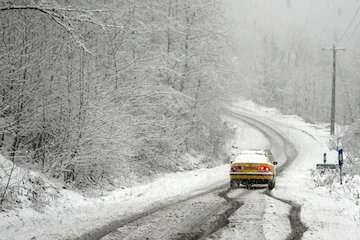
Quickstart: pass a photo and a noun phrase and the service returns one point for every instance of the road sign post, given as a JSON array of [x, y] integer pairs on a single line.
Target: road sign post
[[341, 162]]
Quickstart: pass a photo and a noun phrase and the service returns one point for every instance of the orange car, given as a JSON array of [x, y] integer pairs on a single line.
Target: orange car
[[253, 167]]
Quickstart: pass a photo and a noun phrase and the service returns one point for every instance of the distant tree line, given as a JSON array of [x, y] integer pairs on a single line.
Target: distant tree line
[[295, 76]]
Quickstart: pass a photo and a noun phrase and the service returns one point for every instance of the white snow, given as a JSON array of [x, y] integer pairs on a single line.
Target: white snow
[[247, 222], [276, 224], [25, 187], [73, 214], [259, 218]]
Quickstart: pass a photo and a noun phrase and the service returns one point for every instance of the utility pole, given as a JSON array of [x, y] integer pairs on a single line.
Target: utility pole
[[333, 89]]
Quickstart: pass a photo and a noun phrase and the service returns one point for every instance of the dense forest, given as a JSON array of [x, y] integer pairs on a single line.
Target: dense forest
[[106, 91]]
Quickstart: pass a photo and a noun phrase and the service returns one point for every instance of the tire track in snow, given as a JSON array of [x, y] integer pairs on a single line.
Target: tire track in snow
[[216, 222], [298, 228], [102, 231]]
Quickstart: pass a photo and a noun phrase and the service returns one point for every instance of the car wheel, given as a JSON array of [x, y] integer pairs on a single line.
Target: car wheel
[[271, 185], [232, 184]]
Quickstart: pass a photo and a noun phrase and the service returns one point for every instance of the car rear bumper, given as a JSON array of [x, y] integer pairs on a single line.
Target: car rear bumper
[[247, 176]]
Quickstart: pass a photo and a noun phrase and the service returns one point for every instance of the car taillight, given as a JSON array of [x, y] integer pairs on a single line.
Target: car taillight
[[236, 169], [264, 169]]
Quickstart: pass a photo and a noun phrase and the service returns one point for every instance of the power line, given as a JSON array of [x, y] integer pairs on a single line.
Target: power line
[[354, 31], [350, 24]]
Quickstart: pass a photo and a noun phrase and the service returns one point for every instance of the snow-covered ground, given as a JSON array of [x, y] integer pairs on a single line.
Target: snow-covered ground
[[72, 214], [330, 211]]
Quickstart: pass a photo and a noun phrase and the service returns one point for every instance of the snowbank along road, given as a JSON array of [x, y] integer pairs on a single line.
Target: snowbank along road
[[219, 213]]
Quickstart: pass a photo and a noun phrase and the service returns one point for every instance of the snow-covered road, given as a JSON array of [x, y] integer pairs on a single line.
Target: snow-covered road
[[185, 220], [259, 211], [235, 214]]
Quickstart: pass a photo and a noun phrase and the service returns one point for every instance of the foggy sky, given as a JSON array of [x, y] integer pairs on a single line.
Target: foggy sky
[[323, 21]]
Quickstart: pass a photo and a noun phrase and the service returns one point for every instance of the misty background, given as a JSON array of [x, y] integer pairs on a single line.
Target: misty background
[[278, 52]]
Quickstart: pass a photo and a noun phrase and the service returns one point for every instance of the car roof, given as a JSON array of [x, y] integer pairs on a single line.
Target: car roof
[[251, 158], [250, 151]]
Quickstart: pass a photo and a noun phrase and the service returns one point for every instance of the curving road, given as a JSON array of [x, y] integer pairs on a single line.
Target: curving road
[[215, 214]]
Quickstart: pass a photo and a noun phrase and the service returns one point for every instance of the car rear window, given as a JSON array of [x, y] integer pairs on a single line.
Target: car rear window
[[251, 158]]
